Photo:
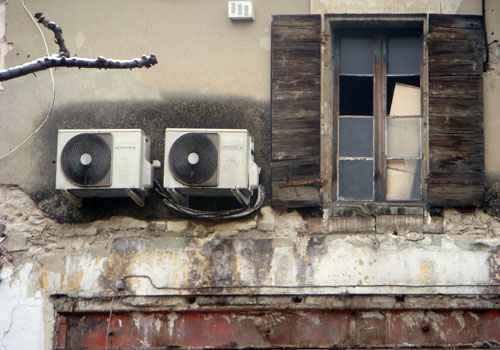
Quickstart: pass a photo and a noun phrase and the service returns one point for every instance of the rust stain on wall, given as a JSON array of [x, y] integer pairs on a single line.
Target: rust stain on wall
[[122, 249], [294, 329]]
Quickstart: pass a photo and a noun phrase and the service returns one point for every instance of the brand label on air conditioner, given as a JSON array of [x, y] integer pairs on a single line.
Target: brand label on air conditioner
[[233, 147], [124, 147]]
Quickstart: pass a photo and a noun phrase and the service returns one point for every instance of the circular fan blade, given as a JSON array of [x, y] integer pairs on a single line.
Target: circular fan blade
[[86, 159], [193, 159]]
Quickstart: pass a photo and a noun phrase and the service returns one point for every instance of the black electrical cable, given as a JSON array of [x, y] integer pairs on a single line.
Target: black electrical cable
[[485, 32], [313, 286], [256, 202]]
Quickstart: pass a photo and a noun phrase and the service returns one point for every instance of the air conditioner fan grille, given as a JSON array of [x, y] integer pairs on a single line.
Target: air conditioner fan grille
[[193, 159], [86, 159]]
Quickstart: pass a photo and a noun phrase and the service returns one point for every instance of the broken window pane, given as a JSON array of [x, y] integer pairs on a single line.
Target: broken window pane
[[404, 55], [356, 179], [356, 137], [403, 137], [356, 55], [356, 95], [391, 84], [403, 180]]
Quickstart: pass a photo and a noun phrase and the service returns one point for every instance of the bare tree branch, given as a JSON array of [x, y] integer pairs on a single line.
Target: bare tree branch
[[56, 61], [63, 50], [63, 59]]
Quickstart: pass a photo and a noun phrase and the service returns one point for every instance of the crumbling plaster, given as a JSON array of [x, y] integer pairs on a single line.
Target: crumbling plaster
[[275, 253], [21, 323]]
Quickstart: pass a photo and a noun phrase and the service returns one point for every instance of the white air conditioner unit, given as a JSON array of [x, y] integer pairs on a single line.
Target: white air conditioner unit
[[103, 163], [240, 10], [210, 162]]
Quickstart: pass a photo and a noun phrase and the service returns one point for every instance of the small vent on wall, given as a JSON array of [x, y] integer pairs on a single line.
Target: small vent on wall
[[240, 10]]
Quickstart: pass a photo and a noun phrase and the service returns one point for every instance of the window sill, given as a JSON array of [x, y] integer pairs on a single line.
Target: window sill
[[403, 220], [347, 209]]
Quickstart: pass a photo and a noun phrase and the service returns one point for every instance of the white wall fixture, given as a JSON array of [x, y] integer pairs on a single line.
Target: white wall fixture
[[104, 163], [240, 10], [210, 162]]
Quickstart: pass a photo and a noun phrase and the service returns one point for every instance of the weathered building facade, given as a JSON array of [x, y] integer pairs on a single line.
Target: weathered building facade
[[400, 253]]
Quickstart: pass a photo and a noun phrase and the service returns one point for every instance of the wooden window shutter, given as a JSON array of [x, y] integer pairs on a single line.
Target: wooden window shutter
[[295, 110], [456, 142]]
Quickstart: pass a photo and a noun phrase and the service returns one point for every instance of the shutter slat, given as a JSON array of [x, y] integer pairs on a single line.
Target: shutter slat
[[456, 141], [295, 110]]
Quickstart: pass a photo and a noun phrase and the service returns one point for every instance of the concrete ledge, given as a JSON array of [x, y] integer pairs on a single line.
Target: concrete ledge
[[352, 224], [396, 224]]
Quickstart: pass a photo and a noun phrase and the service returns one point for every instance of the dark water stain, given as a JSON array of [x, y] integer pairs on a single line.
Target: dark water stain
[[153, 117], [222, 261], [260, 252]]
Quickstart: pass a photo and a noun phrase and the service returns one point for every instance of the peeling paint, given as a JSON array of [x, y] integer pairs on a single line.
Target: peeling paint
[[373, 314], [426, 270], [256, 262], [20, 311], [172, 317], [436, 321], [317, 328], [459, 315]]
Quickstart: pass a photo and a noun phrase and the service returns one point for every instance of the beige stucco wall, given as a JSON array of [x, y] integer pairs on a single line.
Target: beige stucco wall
[[492, 91], [199, 48]]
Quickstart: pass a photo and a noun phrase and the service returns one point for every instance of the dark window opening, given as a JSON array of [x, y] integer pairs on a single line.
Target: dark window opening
[[356, 95], [378, 114]]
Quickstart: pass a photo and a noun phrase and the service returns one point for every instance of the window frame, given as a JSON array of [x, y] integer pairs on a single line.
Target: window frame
[[330, 116]]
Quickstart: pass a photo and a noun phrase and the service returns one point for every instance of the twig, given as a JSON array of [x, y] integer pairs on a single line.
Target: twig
[[63, 50], [109, 320], [56, 61], [63, 58]]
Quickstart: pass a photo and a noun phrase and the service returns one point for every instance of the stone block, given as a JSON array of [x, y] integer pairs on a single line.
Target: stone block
[[395, 224], [317, 225], [266, 221], [177, 225], [15, 242], [352, 224], [433, 224], [123, 223], [235, 226]]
